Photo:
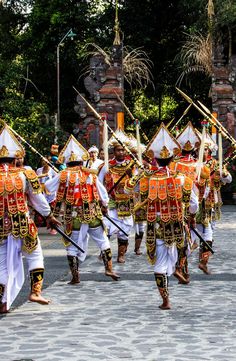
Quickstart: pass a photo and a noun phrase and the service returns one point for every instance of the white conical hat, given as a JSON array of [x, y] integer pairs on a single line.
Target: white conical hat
[[188, 138], [9, 145], [163, 145], [73, 151], [122, 136], [209, 142]]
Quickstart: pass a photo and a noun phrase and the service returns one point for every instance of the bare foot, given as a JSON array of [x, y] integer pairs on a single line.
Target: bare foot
[[3, 308], [180, 277], [186, 282], [203, 267], [165, 306], [113, 275], [39, 299]]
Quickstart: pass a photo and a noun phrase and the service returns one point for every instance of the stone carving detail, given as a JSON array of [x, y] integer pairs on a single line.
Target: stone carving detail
[[223, 91], [101, 84], [97, 77]]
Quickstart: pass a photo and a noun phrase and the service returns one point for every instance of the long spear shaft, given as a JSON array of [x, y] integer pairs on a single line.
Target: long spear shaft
[[217, 121], [32, 148], [201, 239], [64, 235], [131, 116], [184, 113], [218, 125], [115, 224], [230, 158], [113, 133]]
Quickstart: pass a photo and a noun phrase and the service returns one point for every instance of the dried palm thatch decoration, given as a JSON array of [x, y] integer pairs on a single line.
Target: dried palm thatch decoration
[[196, 55], [136, 64], [210, 9]]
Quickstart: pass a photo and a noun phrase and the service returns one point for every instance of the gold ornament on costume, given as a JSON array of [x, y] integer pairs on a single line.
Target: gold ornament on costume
[[19, 154], [176, 151], [73, 157], [188, 146], [164, 153], [150, 154], [4, 152]]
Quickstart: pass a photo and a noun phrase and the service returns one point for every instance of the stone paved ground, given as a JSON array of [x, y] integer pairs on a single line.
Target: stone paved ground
[[106, 320]]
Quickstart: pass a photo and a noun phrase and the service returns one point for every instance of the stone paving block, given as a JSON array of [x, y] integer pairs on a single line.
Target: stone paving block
[[105, 320]]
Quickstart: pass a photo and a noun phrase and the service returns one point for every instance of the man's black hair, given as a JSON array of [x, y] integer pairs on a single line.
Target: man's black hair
[[186, 152], [163, 162], [74, 163], [6, 160]]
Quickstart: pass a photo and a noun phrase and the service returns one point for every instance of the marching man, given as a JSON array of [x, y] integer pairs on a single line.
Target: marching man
[[85, 201], [168, 197], [18, 233]]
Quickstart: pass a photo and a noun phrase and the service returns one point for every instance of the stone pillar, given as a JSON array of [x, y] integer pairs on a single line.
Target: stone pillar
[[104, 80]]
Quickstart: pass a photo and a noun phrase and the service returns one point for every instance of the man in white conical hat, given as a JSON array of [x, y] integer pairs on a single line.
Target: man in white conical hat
[[186, 164], [210, 201], [18, 233], [85, 201], [119, 170], [168, 197], [189, 141]]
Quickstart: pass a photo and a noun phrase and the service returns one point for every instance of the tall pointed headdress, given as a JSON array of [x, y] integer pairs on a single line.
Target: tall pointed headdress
[[10, 147], [163, 145], [122, 136], [73, 151], [188, 138]]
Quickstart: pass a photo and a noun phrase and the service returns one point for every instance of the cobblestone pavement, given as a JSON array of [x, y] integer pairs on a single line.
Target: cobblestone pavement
[[101, 319]]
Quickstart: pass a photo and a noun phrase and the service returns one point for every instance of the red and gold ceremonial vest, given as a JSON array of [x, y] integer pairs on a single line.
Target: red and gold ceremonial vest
[[167, 202], [14, 218], [214, 201], [81, 201], [141, 214], [122, 202], [185, 165]]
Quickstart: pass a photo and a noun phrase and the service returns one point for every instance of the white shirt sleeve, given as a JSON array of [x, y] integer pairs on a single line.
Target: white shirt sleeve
[[101, 174], [52, 186], [38, 201], [103, 195], [227, 179], [193, 206]]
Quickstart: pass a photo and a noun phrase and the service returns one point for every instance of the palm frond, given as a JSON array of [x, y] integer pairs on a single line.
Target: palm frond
[[196, 55], [186, 72], [136, 63], [96, 49]]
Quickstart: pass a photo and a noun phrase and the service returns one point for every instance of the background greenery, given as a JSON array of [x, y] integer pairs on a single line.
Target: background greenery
[[30, 31]]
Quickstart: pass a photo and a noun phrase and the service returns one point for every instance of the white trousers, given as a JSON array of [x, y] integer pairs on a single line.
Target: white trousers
[[125, 223], [11, 266], [139, 227], [81, 239], [166, 258], [205, 232]]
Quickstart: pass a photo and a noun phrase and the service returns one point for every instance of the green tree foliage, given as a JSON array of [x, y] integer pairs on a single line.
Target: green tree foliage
[[32, 29]]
